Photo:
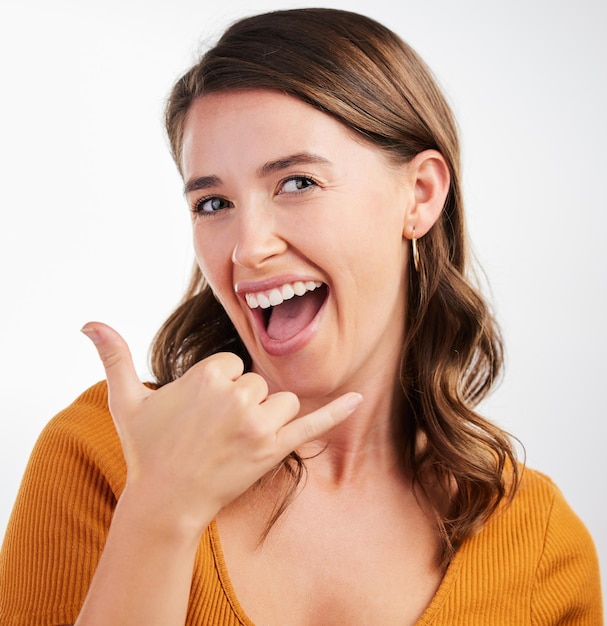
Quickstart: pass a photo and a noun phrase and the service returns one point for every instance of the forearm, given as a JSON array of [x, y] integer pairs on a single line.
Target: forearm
[[145, 572]]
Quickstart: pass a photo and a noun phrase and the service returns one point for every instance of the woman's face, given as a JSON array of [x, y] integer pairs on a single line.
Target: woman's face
[[298, 229]]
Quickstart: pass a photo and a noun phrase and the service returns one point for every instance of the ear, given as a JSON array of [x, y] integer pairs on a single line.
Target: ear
[[429, 178]]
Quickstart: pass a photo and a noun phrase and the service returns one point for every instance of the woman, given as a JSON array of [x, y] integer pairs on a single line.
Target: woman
[[309, 452]]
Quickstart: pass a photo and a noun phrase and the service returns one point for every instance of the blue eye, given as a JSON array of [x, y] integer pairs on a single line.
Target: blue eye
[[210, 205], [297, 184]]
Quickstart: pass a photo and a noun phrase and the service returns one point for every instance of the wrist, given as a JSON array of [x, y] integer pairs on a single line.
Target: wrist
[[162, 519]]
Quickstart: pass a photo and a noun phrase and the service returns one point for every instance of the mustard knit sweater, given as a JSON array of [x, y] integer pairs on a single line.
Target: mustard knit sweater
[[534, 563]]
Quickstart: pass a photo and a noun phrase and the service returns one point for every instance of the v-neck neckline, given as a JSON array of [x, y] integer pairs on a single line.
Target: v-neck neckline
[[425, 619]]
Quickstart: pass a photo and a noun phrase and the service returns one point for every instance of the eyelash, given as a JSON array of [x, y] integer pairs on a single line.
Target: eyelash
[[198, 210], [298, 178]]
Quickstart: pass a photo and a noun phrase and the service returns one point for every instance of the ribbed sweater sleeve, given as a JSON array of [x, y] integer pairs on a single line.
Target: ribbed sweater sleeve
[[533, 564], [59, 522], [567, 583]]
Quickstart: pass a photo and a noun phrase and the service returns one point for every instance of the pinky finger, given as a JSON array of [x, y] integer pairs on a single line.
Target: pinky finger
[[313, 425]]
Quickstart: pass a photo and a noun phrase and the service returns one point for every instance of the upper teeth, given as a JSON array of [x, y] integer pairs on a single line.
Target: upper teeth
[[278, 295]]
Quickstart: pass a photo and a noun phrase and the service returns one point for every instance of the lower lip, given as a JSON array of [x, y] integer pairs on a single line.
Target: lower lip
[[295, 343]]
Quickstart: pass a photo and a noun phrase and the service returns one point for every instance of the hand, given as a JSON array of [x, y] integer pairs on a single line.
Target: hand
[[197, 443]]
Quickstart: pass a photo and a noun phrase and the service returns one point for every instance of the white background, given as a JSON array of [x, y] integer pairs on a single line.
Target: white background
[[93, 225]]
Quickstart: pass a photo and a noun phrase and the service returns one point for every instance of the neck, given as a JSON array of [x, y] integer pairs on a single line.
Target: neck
[[369, 443]]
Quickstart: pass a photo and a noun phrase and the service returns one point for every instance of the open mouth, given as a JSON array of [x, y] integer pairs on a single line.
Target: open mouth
[[286, 310]]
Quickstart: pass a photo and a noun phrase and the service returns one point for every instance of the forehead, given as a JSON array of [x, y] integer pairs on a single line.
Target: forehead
[[247, 102], [261, 124]]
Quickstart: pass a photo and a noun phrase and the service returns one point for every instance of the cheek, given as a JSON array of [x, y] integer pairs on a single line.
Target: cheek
[[379, 267], [373, 244], [214, 263], [201, 258]]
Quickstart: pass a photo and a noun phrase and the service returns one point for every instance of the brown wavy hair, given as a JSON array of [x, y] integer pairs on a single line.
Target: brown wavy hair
[[362, 74]]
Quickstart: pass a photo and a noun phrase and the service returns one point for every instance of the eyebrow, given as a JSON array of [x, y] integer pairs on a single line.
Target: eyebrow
[[201, 182], [301, 158], [271, 167]]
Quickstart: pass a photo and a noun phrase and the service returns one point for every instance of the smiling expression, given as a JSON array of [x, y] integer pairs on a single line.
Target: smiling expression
[[298, 230]]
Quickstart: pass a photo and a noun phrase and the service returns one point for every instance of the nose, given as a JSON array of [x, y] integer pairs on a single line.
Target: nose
[[258, 239]]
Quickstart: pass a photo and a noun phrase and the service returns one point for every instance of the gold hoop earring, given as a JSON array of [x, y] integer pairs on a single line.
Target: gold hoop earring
[[414, 250]]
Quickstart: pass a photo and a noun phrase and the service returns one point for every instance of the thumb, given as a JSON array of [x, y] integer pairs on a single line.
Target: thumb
[[124, 386]]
